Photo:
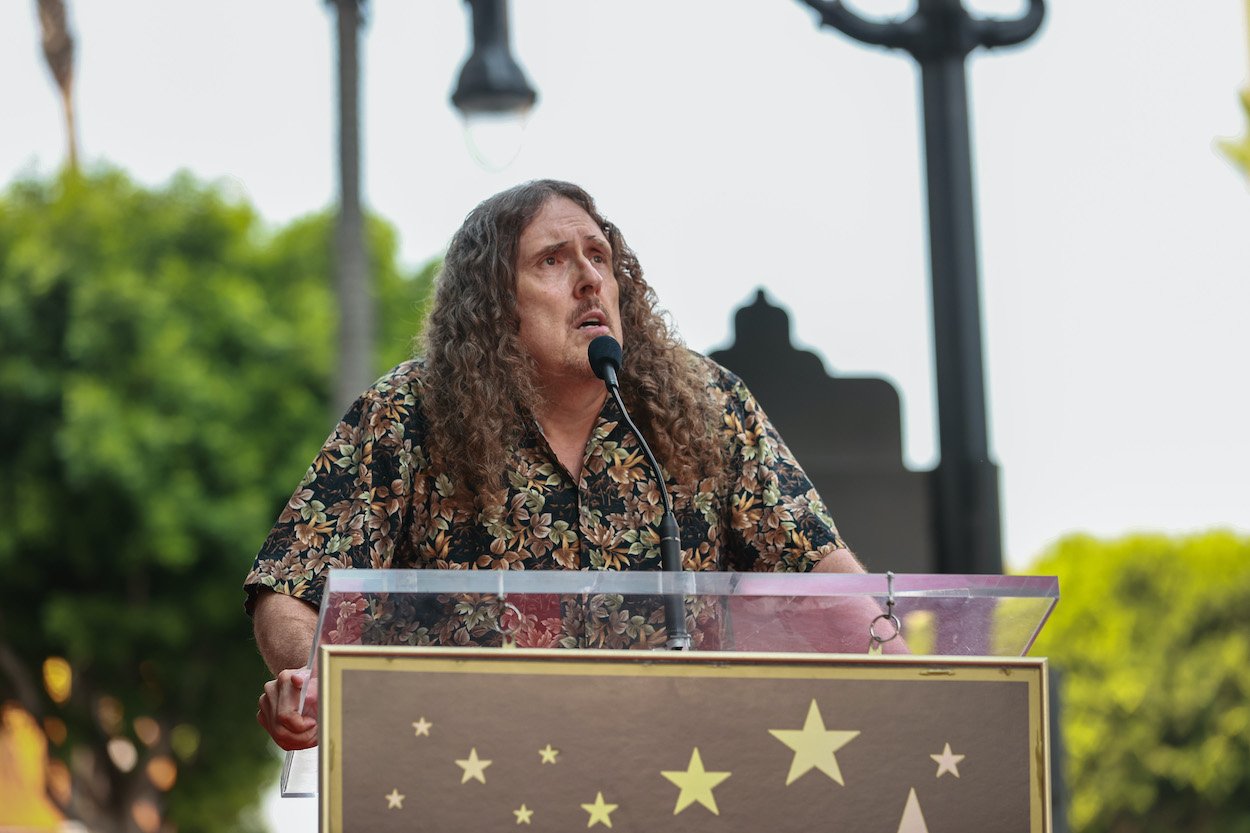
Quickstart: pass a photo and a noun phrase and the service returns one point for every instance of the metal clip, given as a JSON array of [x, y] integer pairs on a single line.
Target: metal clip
[[877, 641]]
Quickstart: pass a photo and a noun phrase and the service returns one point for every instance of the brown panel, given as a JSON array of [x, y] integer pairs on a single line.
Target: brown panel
[[619, 722]]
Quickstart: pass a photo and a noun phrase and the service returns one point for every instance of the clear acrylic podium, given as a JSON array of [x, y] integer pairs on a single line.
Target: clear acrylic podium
[[757, 613]]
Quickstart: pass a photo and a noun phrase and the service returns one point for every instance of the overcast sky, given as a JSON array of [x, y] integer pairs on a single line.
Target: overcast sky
[[737, 145]]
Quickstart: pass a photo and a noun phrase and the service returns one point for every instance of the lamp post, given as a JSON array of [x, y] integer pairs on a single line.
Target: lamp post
[[939, 35], [490, 82], [352, 280]]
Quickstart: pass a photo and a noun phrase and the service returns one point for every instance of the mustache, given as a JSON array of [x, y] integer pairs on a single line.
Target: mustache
[[587, 307]]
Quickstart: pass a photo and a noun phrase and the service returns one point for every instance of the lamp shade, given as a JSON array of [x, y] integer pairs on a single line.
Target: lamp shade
[[491, 81]]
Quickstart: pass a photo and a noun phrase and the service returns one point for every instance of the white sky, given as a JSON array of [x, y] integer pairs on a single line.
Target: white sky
[[738, 145]]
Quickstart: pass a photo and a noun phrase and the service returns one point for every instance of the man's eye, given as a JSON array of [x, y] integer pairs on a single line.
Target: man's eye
[[550, 260], [600, 259]]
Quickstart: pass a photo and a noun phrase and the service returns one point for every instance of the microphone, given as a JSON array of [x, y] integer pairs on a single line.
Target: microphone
[[604, 354]]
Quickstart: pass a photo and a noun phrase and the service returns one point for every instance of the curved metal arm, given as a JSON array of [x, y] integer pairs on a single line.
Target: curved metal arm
[[895, 34], [992, 33]]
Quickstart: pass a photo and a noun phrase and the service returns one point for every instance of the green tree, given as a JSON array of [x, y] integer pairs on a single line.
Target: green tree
[[165, 374], [1153, 636]]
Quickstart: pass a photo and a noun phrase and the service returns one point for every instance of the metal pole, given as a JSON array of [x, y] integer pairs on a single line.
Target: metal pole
[[354, 287], [939, 35], [966, 481]]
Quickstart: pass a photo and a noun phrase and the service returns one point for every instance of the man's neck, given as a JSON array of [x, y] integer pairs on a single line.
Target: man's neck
[[567, 417]]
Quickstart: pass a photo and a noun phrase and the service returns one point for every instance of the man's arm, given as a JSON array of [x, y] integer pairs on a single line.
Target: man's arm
[[285, 628], [839, 561]]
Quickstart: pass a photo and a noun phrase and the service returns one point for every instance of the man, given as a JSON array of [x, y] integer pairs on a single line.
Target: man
[[500, 449]]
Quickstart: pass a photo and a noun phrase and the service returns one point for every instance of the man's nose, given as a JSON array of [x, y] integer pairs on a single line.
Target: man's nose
[[588, 277]]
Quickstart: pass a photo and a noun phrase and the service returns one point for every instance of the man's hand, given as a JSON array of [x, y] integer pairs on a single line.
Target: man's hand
[[278, 710], [284, 633]]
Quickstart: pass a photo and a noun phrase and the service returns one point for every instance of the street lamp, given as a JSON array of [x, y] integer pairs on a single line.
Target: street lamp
[[492, 94], [491, 81], [939, 35]]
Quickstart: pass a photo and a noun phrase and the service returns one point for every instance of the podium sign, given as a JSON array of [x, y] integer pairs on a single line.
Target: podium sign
[[479, 739]]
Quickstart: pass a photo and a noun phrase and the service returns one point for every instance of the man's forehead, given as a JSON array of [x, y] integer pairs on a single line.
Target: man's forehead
[[559, 222]]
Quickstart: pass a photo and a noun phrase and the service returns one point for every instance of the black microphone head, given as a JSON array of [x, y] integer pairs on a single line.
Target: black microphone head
[[604, 352]]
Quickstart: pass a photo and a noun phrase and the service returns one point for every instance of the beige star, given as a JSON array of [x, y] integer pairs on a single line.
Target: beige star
[[474, 767], [549, 754], [814, 746], [523, 815], [947, 762], [422, 727], [696, 784], [395, 801], [599, 812], [913, 818]]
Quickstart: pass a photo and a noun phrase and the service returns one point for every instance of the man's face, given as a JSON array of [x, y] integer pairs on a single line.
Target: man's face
[[566, 290]]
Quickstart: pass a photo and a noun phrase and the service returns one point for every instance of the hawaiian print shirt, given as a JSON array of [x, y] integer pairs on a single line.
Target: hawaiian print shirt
[[372, 499]]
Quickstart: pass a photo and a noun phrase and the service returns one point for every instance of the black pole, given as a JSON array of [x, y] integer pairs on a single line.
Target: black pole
[[939, 35], [966, 481]]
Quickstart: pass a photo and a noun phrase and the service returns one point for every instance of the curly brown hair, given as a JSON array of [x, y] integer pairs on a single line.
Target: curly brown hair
[[482, 386]]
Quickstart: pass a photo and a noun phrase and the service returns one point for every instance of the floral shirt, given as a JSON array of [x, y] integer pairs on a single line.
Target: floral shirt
[[372, 499]]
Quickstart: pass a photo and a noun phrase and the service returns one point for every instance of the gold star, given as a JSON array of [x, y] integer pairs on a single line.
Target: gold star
[[813, 746], [599, 812], [947, 762], [474, 767], [549, 754], [395, 801], [523, 815], [422, 727], [696, 784]]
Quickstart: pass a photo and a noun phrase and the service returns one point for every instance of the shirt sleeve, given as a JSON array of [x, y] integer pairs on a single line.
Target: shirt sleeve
[[350, 508], [777, 521]]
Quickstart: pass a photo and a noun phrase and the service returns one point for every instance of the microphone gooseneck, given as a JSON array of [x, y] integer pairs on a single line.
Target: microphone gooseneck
[[604, 354]]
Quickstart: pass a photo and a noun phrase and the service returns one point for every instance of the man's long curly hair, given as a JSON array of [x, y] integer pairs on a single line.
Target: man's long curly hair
[[482, 386]]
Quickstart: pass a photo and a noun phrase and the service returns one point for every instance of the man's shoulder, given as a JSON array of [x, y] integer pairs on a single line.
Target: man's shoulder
[[404, 380], [717, 377]]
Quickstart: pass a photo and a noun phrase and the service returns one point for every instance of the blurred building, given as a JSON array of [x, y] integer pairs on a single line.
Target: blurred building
[[847, 433]]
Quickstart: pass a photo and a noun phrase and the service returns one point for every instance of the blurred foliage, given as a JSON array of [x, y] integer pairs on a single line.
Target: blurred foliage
[[1153, 637], [1238, 150], [164, 373]]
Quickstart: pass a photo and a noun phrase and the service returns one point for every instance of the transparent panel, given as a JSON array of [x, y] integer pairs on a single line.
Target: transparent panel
[[763, 612]]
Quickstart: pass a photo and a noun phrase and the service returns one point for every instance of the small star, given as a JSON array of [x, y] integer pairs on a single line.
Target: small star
[[947, 762], [523, 815], [549, 754], [696, 784], [814, 746], [599, 812], [422, 727], [395, 801], [474, 767]]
